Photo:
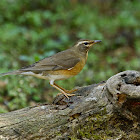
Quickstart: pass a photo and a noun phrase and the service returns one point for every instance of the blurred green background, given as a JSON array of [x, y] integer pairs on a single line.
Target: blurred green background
[[33, 29]]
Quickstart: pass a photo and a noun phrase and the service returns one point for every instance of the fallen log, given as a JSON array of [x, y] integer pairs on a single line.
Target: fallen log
[[108, 110]]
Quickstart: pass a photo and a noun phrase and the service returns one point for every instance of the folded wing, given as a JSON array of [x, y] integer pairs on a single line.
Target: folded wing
[[60, 61]]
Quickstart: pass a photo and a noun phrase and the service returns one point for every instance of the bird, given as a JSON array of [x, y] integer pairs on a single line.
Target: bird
[[60, 66]]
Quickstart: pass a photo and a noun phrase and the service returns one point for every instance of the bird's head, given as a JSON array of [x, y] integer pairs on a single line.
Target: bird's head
[[85, 45]]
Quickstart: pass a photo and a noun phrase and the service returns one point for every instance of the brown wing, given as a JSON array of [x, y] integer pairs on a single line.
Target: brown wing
[[62, 60]]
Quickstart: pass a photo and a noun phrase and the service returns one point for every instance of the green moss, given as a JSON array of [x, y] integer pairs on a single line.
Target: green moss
[[104, 127]]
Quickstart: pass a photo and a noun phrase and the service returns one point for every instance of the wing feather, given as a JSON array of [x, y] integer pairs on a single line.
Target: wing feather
[[63, 60]]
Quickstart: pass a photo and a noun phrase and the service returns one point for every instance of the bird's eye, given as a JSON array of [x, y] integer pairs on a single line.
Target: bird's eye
[[85, 43]]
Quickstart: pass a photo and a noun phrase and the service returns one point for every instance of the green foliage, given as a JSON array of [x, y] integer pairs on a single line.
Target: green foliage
[[32, 30]]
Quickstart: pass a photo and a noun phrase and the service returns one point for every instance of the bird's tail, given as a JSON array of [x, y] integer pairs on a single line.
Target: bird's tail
[[10, 73]]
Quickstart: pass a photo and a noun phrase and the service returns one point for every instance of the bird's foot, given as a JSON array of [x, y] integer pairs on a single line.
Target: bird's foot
[[67, 95], [70, 94], [71, 91]]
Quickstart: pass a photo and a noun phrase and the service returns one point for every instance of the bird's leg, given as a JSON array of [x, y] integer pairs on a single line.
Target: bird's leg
[[57, 87], [67, 91], [63, 92], [71, 91]]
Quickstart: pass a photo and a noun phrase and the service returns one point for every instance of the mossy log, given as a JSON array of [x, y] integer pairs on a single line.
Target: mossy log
[[108, 110]]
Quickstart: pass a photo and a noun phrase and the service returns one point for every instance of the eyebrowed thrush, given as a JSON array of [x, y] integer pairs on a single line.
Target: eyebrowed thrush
[[59, 66]]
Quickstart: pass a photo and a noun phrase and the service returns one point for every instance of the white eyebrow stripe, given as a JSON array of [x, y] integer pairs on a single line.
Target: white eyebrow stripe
[[81, 42]]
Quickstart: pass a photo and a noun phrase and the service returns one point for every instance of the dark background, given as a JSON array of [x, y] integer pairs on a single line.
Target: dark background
[[33, 29]]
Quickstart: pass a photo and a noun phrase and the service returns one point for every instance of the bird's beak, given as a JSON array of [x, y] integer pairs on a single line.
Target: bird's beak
[[96, 41]]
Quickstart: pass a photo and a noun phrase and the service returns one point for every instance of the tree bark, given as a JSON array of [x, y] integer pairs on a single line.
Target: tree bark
[[108, 110]]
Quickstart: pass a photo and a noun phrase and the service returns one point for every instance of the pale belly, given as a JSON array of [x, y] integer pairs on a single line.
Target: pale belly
[[48, 76]]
